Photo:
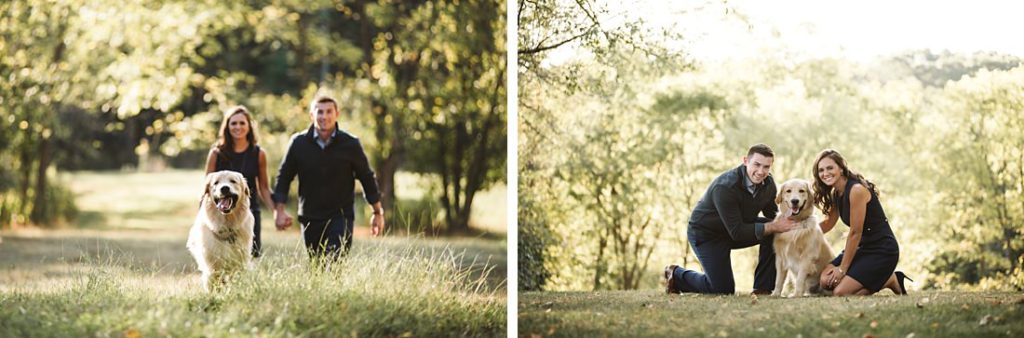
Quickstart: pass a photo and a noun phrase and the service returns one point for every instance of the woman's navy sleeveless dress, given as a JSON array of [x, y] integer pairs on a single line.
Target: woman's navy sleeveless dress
[[248, 164], [878, 252]]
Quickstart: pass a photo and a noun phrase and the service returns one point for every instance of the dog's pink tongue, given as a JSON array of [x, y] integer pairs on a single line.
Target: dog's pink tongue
[[224, 204]]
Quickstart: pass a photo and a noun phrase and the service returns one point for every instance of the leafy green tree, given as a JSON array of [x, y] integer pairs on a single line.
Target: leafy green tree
[[983, 181]]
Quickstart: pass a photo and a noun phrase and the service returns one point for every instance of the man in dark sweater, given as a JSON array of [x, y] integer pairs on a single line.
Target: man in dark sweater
[[327, 161], [725, 219]]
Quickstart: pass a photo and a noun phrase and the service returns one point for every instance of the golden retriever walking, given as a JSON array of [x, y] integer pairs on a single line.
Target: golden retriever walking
[[800, 253], [221, 237]]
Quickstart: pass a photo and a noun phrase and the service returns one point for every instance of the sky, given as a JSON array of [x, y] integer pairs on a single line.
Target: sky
[[857, 30]]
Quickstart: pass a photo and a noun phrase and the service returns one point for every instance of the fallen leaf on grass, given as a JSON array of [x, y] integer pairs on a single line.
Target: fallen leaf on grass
[[722, 333], [965, 307], [935, 325], [859, 315], [132, 333], [874, 324], [910, 335], [868, 336], [551, 330]]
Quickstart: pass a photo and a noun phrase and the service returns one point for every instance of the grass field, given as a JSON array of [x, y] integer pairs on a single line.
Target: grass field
[[125, 272], [653, 313]]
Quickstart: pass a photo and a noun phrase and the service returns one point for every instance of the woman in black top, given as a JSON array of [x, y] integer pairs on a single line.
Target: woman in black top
[[236, 150], [868, 263]]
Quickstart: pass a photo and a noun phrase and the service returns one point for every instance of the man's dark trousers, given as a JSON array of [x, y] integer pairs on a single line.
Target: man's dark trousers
[[715, 256], [332, 237]]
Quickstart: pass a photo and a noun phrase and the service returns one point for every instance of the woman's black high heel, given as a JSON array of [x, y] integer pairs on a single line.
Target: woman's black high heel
[[900, 276]]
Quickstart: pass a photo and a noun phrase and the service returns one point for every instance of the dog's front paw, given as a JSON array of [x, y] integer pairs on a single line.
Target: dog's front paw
[[776, 293]]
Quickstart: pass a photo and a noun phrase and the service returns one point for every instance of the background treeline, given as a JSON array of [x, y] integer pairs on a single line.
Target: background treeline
[[141, 85], [616, 148]]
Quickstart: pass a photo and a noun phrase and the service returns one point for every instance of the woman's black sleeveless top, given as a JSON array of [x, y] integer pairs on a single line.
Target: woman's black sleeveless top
[[877, 232]]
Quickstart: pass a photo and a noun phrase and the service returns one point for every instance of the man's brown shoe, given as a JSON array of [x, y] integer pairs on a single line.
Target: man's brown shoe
[[667, 279]]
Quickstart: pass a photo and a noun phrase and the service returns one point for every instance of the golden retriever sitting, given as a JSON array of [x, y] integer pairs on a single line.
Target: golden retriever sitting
[[221, 237], [800, 253]]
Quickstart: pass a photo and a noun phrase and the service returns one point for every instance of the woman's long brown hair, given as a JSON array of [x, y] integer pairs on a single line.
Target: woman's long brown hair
[[824, 196]]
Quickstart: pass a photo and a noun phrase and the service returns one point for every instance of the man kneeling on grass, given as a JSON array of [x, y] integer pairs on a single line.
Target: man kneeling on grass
[[726, 219], [327, 161]]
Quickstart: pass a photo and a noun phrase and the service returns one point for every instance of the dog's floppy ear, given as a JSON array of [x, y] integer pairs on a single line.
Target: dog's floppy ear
[[206, 186], [245, 185], [778, 197]]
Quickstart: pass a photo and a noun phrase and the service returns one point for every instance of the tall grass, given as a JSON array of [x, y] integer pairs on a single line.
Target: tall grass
[[380, 289]]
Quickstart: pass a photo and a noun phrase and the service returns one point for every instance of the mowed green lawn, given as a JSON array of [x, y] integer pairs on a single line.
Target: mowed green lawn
[[123, 270], [654, 313]]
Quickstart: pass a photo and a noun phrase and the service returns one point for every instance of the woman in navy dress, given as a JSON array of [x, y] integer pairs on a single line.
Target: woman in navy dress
[[236, 150], [869, 260]]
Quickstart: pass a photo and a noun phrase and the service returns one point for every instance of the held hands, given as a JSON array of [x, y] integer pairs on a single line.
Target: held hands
[[282, 220]]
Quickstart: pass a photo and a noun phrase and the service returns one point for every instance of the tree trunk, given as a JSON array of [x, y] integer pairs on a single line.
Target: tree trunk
[[26, 175], [389, 163], [458, 223], [599, 264], [40, 208], [446, 201]]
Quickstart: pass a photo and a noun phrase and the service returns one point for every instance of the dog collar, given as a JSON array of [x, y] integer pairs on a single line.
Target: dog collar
[[226, 235]]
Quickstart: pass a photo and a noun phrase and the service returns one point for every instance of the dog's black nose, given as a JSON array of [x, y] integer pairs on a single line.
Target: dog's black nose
[[225, 190], [794, 201]]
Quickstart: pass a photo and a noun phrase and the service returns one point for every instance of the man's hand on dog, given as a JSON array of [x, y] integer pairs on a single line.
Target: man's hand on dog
[[780, 225]]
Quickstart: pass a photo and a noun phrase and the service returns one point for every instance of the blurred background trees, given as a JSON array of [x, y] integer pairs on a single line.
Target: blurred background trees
[[140, 85], [618, 142]]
